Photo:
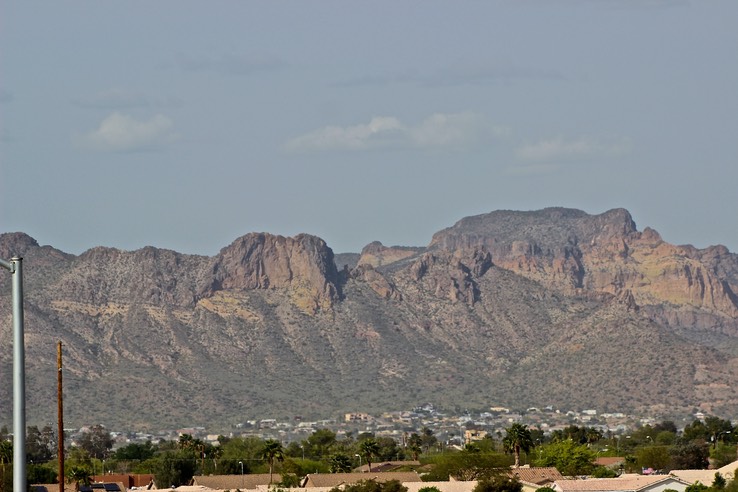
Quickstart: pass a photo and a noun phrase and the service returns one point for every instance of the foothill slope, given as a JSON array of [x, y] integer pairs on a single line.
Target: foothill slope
[[551, 307]]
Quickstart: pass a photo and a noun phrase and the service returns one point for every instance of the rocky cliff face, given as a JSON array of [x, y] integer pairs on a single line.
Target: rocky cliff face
[[554, 301], [303, 265], [577, 253]]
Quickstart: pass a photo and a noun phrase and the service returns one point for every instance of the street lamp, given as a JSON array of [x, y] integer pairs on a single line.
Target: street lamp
[[15, 267], [359, 456], [241, 463]]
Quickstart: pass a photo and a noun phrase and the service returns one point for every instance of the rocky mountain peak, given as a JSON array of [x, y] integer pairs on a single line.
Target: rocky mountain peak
[[547, 300], [572, 251], [15, 243], [376, 254], [302, 264]]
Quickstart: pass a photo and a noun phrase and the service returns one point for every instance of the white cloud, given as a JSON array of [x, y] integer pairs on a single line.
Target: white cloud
[[122, 133], [561, 149], [438, 130]]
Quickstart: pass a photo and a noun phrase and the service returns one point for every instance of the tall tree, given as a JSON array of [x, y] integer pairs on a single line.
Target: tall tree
[[272, 451], [414, 445], [174, 468], [320, 443], [96, 441], [427, 439], [40, 444], [517, 439], [367, 449]]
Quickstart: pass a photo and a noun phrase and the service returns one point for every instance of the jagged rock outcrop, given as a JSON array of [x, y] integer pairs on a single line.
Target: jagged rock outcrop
[[16, 243], [303, 265], [579, 253], [451, 276], [376, 254], [376, 281]]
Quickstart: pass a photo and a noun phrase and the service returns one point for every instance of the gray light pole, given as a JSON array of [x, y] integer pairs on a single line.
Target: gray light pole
[[15, 267]]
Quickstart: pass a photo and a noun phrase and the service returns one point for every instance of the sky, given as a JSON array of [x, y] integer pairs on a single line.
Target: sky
[[187, 124]]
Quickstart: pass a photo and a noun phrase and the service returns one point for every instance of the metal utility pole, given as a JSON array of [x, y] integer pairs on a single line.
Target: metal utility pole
[[15, 267], [60, 411]]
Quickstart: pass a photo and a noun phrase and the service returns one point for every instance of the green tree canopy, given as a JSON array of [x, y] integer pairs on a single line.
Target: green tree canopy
[[246, 450], [722, 454], [581, 435], [388, 449], [719, 482], [603, 472], [78, 475], [465, 465], [135, 451], [40, 444], [697, 487], [499, 483], [174, 468], [656, 457], [96, 441], [568, 457], [320, 443], [690, 456], [429, 489], [340, 463], [372, 486]]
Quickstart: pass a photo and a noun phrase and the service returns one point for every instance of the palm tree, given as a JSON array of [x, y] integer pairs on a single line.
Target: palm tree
[[517, 439], [186, 441], [367, 449], [79, 475], [592, 435], [414, 445], [272, 450]]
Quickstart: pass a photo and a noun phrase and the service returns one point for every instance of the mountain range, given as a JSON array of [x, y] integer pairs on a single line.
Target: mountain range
[[551, 307]]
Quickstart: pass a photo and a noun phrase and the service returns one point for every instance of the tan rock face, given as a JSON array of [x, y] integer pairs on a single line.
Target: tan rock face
[[484, 311], [574, 252], [376, 281], [376, 254], [451, 276], [656, 272], [303, 265]]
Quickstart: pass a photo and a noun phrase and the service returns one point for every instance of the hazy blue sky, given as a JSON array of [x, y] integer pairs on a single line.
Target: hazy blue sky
[[183, 124]]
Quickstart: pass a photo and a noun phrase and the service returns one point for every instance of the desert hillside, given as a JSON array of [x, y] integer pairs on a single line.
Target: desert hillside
[[552, 307]]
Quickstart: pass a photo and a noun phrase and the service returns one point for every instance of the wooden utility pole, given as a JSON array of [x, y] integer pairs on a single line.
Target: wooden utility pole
[[60, 411]]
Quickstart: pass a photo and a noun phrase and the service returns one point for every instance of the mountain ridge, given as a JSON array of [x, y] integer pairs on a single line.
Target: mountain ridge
[[554, 301]]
